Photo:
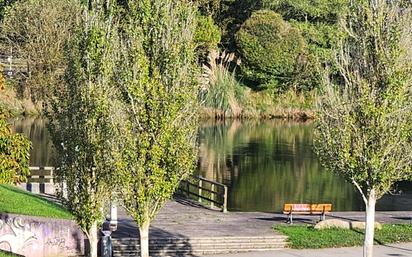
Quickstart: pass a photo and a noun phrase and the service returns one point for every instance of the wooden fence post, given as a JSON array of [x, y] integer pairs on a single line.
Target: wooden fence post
[[187, 189], [212, 196], [200, 190], [225, 199]]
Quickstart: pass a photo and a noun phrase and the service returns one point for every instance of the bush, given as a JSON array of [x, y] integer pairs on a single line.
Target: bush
[[272, 51], [317, 21], [37, 31], [14, 149], [223, 94], [207, 36], [325, 11]]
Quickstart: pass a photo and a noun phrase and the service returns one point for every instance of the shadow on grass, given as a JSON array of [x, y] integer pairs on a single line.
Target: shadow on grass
[[379, 242], [35, 198]]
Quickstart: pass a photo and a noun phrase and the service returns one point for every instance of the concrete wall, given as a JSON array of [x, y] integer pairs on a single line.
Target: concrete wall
[[40, 237]]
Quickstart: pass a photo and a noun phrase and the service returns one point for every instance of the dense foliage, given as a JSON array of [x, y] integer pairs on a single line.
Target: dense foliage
[[218, 27], [84, 116], [3, 6], [207, 36], [272, 51], [36, 32], [158, 80], [14, 150], [364, 131], [318, 22]]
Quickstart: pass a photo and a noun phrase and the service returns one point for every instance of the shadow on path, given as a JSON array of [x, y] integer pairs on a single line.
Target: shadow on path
[[162, 242]]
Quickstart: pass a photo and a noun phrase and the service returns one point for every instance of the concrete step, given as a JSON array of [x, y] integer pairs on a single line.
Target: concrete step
[[204, 246], [175, 253], [198, 246], [275, 238]]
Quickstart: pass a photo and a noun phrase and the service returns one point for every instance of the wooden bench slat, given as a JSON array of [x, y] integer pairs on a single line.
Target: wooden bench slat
[[307, 208]]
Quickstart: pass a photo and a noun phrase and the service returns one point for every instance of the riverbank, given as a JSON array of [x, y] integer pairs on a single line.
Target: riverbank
[[263, 105], [18, 106], [266, 105]]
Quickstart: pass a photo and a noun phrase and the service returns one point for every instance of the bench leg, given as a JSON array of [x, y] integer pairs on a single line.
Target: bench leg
[[322, 216], [290, 218]]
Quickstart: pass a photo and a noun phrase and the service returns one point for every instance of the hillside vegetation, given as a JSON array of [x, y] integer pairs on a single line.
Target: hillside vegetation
[[256, 59]]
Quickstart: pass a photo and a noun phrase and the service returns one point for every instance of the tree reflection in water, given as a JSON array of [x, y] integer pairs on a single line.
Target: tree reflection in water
[[264, 163]]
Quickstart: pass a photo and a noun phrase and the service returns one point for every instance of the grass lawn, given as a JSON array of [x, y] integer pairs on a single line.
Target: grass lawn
[[8, 254], [301, 236], [17, 201]]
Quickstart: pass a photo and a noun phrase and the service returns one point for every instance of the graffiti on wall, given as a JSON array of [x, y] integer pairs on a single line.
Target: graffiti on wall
[[19, 234]]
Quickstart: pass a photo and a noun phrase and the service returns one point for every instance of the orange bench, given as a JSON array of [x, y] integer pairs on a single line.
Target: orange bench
[[305, 208]]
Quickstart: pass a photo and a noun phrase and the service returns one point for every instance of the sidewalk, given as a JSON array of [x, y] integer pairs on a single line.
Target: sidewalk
[[399, 250]]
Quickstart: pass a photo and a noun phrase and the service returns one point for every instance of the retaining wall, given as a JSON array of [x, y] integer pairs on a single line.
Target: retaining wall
[[40, 237]]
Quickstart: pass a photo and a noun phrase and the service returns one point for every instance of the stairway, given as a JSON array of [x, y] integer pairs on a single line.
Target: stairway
[[125, 247]]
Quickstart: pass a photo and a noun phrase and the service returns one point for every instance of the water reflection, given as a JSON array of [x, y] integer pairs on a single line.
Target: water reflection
[[42, 153], [265, 164]]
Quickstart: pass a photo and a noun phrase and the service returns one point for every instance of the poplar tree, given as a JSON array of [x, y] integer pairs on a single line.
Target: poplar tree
[[158, 83], [83, 115], [364, 128]]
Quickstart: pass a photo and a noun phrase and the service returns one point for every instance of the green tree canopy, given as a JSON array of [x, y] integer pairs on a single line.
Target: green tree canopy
[[364, 129], [84, 118], [273, 52], [158, 79]]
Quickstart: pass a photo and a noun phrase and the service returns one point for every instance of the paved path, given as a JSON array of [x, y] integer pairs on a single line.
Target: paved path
[[401, 250], [185, 219]]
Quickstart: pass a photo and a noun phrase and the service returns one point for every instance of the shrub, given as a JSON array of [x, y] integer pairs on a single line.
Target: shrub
[[207, 36], [272, 51], [37, 32], [14, 150], [223, 93], [317, 21], [307, 10]]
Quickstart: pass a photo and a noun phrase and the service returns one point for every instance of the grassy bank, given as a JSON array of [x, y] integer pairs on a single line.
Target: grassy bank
[[306, 237], [265, 105], [17, 106], [16, 201], [8, 254]]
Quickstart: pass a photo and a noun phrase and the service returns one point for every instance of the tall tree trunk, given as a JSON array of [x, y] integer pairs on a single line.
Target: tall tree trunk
[[370, 224], [93, 240], [144, 239]]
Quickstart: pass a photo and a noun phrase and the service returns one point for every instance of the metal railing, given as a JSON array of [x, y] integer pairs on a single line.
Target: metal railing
[[202, 189]]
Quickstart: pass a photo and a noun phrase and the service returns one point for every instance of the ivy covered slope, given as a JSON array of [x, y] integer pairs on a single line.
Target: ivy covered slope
[[16, 201]]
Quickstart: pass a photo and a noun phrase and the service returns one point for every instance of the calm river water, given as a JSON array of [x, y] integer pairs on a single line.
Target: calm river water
[[264, 164]]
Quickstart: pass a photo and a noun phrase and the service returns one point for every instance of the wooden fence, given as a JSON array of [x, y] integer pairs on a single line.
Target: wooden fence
[[40, 180], [13, 66], [205, 190]]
